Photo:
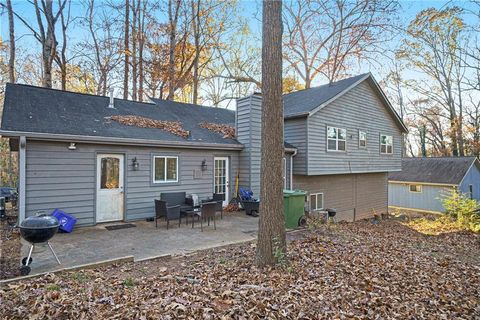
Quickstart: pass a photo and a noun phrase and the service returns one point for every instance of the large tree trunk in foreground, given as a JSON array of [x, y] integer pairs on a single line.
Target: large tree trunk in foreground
[[271, 243]]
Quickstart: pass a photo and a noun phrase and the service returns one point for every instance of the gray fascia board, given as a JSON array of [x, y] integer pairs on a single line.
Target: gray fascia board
[[296, 115], [121, 141]]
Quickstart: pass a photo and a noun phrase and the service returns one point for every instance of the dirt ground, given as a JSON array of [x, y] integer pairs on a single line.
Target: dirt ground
[[357, 270]]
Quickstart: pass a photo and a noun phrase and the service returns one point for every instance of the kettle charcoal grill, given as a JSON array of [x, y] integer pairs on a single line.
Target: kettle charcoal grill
[[35, 230]]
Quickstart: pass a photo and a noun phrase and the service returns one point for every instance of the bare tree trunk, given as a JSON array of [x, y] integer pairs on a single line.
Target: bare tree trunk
[[126, 53], [11, 58], [46, 39], [173, 19], [49, 44], [62, 60], [141, 44], [271, 235], [135, 9], [196, 36], [423, 139]]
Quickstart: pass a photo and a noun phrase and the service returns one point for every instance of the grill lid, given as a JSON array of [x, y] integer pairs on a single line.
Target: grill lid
[[40, 222]]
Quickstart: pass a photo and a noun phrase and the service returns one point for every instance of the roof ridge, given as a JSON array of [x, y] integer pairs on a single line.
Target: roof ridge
[[188, 104], [329, 83]]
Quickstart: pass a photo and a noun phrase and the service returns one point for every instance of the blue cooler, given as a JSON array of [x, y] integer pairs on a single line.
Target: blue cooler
[[66, 221]]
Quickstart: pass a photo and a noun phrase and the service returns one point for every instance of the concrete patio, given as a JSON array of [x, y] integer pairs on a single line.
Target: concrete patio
[[95, 244]]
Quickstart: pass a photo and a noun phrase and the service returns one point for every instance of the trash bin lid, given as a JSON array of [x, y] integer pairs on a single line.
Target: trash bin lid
[[293, 193]]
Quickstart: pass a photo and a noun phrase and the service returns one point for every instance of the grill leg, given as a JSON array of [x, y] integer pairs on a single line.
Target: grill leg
[[29, 255], [54, 254]]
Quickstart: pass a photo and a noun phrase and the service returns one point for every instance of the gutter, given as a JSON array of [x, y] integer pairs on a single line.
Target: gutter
[[424, 183], [120, 141]]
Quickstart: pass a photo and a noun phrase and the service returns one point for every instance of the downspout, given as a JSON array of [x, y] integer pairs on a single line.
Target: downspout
[[291, 168], [22, 166]]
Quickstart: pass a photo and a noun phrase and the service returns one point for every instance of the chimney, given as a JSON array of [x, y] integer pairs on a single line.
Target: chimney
[[111, 105], [249, 133]]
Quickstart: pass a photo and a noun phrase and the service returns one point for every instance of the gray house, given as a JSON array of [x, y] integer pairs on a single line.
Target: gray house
[[75, 154], [348, 138], [424, 182]]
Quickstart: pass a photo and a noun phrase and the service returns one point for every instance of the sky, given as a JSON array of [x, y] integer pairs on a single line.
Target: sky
[[250, 10]]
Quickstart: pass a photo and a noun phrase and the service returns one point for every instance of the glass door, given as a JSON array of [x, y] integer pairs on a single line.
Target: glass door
[[221, 177]]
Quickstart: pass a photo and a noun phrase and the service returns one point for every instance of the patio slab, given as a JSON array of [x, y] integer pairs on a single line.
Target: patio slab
[[94, 244]]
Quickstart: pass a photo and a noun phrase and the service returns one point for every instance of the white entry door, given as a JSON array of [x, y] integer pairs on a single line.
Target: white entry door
[[109, 187], [221, 177]]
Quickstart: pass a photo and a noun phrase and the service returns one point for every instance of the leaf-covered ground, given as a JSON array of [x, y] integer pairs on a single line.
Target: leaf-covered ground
[[358, 270]]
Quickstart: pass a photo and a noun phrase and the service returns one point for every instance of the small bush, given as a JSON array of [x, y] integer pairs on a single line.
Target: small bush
[[52, 287], [129, 282], [464, 210], [80, 277]]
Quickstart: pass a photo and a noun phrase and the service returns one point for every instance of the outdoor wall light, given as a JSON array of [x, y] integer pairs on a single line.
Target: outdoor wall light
[[72, 146], [204, 165], [135, 164]]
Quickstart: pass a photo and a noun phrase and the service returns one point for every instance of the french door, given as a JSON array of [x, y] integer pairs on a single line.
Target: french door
[[221, 177]]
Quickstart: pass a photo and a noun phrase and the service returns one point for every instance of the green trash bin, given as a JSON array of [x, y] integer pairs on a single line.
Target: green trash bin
[[293, 204]]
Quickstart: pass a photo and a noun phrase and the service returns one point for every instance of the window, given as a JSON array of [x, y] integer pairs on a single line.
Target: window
[[386, 144], [316, 201], [415, 188], [362, 139], [165, 169], [470, 190], [284, 173], [336, 139], [110, 173]]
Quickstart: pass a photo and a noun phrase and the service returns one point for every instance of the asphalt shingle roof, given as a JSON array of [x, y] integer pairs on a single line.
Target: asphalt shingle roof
[[40, 110], [303, 101], [446, 170]]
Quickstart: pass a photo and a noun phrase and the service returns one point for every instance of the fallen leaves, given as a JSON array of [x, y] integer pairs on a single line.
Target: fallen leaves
[[343, 271], [173, 127], [227, 131], [231, 207], [435, 225], [10, 250]]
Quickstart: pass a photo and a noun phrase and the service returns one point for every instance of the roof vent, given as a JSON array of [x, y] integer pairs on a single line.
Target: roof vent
[[111, 105]]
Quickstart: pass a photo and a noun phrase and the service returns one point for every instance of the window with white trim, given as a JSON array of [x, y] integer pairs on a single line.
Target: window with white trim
[[362, 139], [336, 139], [284, 173], [386, 144], [165, 169], [415, 188], [316, 201]]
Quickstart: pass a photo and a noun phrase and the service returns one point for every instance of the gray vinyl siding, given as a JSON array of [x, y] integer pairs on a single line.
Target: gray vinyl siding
[[358, 109], [430, 199], [472, 177], [354, 196], [249, 133], [295, 132], [60, 178]]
